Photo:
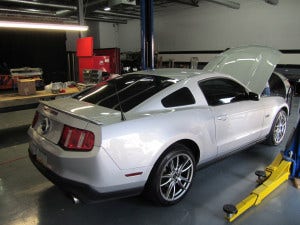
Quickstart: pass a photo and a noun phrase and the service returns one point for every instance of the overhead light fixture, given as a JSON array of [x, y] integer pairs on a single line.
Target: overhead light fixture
[[107, 8], [43, 26]]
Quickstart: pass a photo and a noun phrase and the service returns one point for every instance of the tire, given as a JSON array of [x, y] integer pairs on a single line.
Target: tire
[[289, 99], [278, 129], [172, 176]]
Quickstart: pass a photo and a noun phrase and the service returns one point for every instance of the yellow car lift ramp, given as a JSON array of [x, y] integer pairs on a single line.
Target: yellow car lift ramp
[[285, 164]]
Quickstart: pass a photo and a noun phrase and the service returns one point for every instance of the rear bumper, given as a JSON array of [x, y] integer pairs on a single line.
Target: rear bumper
[[83, 192]]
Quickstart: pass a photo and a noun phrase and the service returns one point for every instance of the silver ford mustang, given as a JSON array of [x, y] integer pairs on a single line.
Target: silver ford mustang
[[147, 132]]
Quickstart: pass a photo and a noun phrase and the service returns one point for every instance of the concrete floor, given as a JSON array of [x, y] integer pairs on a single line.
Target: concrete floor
[[26, 197]]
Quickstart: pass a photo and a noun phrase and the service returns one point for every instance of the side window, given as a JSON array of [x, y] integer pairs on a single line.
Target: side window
[[221, 91], [180, 97]]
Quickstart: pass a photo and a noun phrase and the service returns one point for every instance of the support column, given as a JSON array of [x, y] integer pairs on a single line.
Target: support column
[[80, 10], [147, 37]]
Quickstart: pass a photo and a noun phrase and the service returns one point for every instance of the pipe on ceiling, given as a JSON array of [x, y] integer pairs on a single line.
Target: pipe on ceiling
[[36, 15], [272, 2], [124, 15], [192, 2], [27, 11], [106, 20], [96, 2], [26, 2], [227, 3]]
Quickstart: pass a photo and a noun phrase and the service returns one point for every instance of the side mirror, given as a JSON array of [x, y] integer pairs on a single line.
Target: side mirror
[[253, 96]]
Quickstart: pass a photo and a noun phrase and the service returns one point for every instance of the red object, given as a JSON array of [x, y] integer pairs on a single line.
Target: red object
[[6, 82], [107, 60], [114, 54], [77, 139], [85, 47], [95, 62], [133, 174]]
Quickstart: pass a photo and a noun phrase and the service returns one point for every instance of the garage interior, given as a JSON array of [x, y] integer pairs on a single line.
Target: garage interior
[[186, 34]]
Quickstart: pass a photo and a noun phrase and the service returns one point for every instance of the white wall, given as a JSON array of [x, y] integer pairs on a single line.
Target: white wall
[[109, 37], [212, 27], [94, 32], [106, 35], [130, 36], [215, 27]]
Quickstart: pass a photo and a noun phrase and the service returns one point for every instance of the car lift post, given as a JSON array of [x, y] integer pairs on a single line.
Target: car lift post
[[147, 36], [285, 165]]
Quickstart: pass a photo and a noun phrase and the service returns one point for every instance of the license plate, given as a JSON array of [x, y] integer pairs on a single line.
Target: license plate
[[41, 157]]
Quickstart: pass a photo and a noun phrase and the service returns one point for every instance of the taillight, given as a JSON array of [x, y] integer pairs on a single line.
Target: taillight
[[35, 118], [77, 139]]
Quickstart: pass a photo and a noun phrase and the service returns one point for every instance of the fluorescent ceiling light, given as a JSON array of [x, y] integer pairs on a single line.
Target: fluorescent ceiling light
[[44, 26], [107, 8]]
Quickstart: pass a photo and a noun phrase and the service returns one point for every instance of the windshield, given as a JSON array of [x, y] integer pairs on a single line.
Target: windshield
[[126, 91]]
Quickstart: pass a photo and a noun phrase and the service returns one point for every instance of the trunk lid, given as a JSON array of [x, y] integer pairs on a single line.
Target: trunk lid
[[85, 111], [54, 115], [251, 65]]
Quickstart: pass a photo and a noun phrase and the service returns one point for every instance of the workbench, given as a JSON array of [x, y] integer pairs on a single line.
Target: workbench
[[14, 101]]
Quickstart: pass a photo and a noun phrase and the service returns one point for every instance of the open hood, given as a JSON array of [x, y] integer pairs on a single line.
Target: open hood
[[251, 65]]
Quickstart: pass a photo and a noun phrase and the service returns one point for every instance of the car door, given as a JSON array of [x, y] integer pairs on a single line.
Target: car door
[[238, 119]]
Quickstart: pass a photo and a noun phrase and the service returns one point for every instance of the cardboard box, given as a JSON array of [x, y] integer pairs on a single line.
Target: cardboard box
[[26, 87]]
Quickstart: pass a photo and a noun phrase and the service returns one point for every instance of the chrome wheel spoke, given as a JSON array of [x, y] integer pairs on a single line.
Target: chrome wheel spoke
[[185, 179], [166, 176], [187, 168], [177, 162], [168, 181], [183, 165], [172, 167], [171, 190], [181, 185]]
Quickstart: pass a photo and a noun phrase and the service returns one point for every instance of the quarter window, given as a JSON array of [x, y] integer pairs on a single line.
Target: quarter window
[[180, 97], [222, 91]]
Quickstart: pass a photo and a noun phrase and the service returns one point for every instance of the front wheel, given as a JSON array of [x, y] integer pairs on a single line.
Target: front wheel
[[172, 176], [278, 129]]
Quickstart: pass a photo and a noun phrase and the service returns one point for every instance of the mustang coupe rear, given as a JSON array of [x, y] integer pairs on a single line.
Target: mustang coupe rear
[[148, 131]]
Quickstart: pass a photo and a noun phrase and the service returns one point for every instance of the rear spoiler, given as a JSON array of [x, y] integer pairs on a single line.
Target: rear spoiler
[[46, 107]]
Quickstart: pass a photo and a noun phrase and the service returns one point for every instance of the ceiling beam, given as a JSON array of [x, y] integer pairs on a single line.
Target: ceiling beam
[[272, 2], [106, 20], [32, 3], [227, 3], [94, 5], [124, 15], [27, 11], [189, 2]]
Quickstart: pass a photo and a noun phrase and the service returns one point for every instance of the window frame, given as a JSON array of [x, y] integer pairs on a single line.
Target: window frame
[[237, 98]]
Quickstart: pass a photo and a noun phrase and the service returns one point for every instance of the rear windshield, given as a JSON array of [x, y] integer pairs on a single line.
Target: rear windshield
[[126, 91]]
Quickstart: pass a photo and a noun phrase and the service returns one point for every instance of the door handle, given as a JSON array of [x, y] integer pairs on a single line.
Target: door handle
[[223, 117]]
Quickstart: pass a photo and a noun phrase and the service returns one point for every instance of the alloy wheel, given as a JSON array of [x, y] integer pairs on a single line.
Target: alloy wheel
[[176, 177], [280, 128]]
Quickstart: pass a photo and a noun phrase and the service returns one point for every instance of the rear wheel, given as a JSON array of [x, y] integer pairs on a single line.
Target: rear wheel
[[278, 129], [172, 176]]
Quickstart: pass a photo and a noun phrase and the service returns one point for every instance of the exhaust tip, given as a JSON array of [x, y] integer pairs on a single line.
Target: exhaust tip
[[75, 200]]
